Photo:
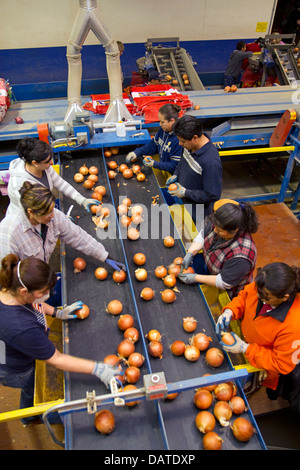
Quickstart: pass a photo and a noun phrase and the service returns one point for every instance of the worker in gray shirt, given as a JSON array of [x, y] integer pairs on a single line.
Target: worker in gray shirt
[[234, 67]]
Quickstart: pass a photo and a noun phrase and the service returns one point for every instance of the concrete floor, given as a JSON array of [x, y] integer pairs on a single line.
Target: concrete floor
[[240, 179]]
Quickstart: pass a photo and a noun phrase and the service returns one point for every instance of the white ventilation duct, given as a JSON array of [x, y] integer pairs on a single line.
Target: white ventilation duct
[[89, 18]]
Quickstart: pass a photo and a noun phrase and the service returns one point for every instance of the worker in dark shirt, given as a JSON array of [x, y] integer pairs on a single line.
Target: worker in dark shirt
[[198, 175], [25, 286], [234, 67], [228, 248]]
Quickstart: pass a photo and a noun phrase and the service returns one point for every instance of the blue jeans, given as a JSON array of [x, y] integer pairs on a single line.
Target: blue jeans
[[24, 381]]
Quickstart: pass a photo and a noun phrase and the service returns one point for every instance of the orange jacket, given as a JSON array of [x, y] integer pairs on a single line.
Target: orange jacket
[[274, 343]]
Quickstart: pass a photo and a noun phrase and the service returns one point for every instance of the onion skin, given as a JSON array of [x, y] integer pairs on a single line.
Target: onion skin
[[203, 399], [104, 422], [177, 348], [214, 357], [205, 421], [242, 429], [212, 441], [223, 412]]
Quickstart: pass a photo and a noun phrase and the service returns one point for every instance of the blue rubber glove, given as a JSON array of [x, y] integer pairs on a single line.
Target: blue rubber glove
[[106, 372], [170, 180], [116, 265], [87, 203], [239, 346], [223, 321], [179, 192]]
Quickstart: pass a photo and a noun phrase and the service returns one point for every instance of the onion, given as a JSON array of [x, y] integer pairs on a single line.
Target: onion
[[237, 405], [88, 184], [104, 421], [129, 388], [122, 209], [177, 348], [223, 412], [125, 348], [78, 177], [171, 396], [105, 211], [169, 241], [153, 335], [132, 374], [155, 349], [189, 324], [111, 359], [119, 276], [201, 341], [112, 165], [170, 280], [223, 391], [141, 274], [160, 272], [100, 189], [115, 150], [96, 195], [172, 187], [136, 219], [101, 273], [139, 259], [93, 178], [147, 293], [212, 441], [168, 296], [126, 201], [205, 421], [178, 260], [132, 334], [203, 399], [128, 173], [136, 169], [114, 307], [84, 170], [214, 357], [242, 429], [125, 321], [136, 359], [188, 270], [133, 233], [79, 264], [101, 222], [93, 170], [107, 153], [125, 221], [141, 177], [111, 174], [83, 312], [227, 338], [191, 353], [174, 269], [136, 210], [123, 167]]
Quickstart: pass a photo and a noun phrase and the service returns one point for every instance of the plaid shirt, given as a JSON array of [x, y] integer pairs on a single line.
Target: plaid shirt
[[241, 247], [18, 236]]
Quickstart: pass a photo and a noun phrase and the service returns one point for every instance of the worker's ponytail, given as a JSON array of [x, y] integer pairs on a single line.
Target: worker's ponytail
[[279, 279], [232, 216]]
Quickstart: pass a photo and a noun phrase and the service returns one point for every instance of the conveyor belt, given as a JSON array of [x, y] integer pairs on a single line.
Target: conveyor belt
[[168, 424]]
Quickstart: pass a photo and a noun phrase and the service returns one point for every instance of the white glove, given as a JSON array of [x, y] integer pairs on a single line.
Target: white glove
[[148, 161], [131, 157], [66, 312], [223, 321], [106, 372], [239, 346]]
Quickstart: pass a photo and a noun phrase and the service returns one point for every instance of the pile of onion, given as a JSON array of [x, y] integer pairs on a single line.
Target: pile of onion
[[214, 357], [79, 264], [114, 307], [201, 341], [104, 421], [242, 429]]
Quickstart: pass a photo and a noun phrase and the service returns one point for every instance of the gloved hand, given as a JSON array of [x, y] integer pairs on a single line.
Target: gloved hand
[[223, 321], [148, 161], [116, 265], [239, 346], [179, 192], [87, 203], [188, 278], [131, 157], [170, 180], [66, 312], [186, 261], [106, 372]]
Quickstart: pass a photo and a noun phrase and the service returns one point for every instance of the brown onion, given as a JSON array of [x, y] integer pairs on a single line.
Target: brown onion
[[177, 348], [191, 353], [129, 388], [171, 396], [114, 307], [122, 209], [223, 412], [155, 349], [141, 274], [88, 184], [100, 189], [214, 357], [104, 421], [136, 359], [139, 259], [127, 173], [203, 399], [83, 312], [133, 233], [126, 201], [93, 178], [136, 169], [111, 359], [107, 153], [78, 178], [96, 195], [79, 264], [119, 276], [84, 170], [174, 269], [178, 260], [94, 209], [112, 174], [141, 177], [125, 348], [189, 324], [201, 341], [169, 241], [112, 165], [125, 321], [132, 374], [115, 150], [227, 338], [153, 335], [125, 221], [170, 280], [168, 296], [223, 391], [132, 334], [147, 293], [212, 441], [123, 167], [105, 211], [101, 273], [205, 421], [237, 405], [93, 170], [160, 272], [242, 429], [136, 210]]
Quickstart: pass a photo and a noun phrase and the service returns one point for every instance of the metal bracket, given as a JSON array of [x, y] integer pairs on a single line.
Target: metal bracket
[[118, 401], [91, 403]]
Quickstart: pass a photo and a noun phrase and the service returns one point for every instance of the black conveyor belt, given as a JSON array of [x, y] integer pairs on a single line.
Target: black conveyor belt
[[164, 424]]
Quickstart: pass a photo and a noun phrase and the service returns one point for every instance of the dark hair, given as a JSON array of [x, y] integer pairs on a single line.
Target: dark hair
[[232, 216], [170, 111], [279, 279], [240, 45], [34, 273], [36, 197], [187, 126], [30, 149]]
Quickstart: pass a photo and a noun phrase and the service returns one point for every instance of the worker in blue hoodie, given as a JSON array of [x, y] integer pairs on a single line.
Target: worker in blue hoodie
[[198, 175], [165, 143]]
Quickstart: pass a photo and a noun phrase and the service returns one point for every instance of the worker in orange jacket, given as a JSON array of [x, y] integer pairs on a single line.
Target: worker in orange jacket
[[269, 310]]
